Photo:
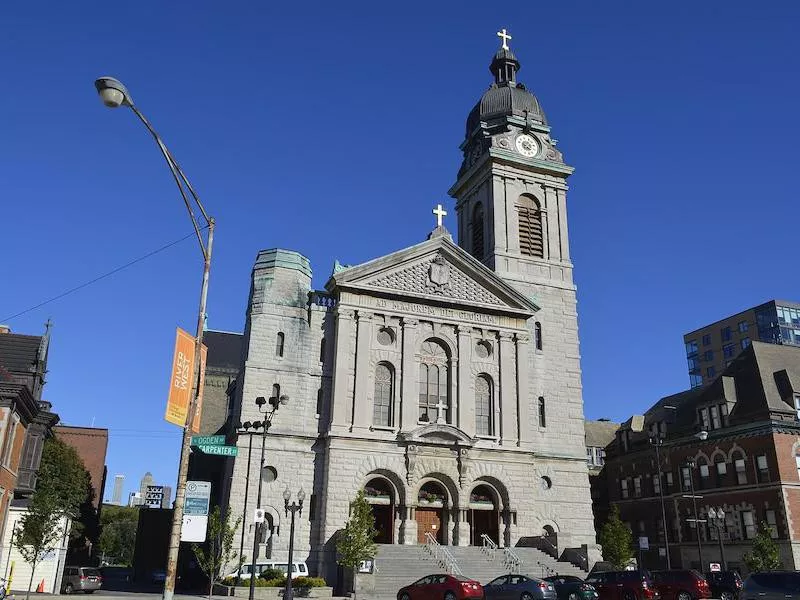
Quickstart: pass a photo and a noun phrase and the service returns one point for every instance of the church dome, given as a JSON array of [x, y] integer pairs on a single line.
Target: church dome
[[505, 97]]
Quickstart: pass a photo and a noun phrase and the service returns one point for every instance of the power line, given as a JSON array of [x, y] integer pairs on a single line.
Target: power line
[[101, 277]]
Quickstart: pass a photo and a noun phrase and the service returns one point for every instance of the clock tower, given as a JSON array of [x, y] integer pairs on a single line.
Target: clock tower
[[511, 202]]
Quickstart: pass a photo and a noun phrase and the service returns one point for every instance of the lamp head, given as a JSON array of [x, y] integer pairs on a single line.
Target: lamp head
[[720, 514], [712, 512], [112, 92], [287, 495], [301, 495], [261, 401], [702, 435], [246, 425]]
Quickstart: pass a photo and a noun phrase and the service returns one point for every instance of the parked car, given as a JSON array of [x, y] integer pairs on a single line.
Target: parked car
[[569, 587], [439, 587], [299, 569], [726, 585], [519, 587], [158, 576], [681, 584], [624, 585], [772, 585], [81, 579]]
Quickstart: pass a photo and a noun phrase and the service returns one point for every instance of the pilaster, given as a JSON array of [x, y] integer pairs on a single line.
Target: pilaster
[[410, 396], [362, 413], [525, 427], [562, 218], [551, 220], [466, 391], [341, 404], [497, 216], [507, 391]]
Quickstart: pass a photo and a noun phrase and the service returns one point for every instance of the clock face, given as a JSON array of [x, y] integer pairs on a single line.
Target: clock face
[[526, 145]]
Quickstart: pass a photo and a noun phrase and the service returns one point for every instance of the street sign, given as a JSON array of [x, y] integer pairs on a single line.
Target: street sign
[[219, 450], [715, 567], [208, 440], [198, 497], [194, 528], [644, 543]]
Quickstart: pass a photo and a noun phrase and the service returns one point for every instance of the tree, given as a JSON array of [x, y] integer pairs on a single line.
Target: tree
[[765, 555], [616, 540], [219, 551], [356, 542], [61, 487], [118, 533]]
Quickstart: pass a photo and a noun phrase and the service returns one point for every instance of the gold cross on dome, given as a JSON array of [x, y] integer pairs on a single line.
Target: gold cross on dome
[[505, 36], [439, 212]]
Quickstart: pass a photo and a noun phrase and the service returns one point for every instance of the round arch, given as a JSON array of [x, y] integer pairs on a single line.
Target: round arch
[[384, 499], [436, 500]]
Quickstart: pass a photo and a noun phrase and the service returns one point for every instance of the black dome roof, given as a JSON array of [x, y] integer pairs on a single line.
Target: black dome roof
[[505, 97]]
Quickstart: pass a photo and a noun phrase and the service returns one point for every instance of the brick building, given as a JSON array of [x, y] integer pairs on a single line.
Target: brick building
[[736, 442], [91, 444]]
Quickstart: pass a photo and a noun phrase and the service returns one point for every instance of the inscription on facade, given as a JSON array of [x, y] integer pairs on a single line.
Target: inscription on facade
[[435, 311]]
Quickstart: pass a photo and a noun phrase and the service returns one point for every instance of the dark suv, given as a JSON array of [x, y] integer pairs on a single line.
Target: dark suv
[[772, 585], [681, 584], [624, 585], [725, 585]]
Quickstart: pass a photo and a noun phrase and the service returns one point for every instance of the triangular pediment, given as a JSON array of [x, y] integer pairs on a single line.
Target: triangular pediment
[[436, 270]]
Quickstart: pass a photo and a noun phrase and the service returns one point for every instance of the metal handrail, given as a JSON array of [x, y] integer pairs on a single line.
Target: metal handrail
[[511, 560], [546, 570], [441, 554], [488, 546]]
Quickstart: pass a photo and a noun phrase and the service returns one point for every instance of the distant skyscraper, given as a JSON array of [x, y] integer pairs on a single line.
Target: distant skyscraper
[[166, 501], [146, 482], [119, 483], [135, 499]]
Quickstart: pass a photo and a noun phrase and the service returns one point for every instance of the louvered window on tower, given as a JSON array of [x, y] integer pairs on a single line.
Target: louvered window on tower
[[529, 214], [478, 247]]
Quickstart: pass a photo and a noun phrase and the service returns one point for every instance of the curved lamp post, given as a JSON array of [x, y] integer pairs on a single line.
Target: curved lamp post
[[114, 94], [717, 518], [293, 508]]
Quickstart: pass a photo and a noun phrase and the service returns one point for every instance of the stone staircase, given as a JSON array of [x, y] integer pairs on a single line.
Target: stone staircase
[[398, 565]]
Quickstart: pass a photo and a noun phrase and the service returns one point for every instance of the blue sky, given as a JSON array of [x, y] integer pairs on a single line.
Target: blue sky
[[333, 128]]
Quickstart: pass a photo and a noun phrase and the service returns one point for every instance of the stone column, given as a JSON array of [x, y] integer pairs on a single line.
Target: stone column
[[409, 374], [507, 391], [562, 220], [466, 391], [497, 215], [362, 411], [462, 529], [341, 402], [409, 527], [525, 425], [552, 242]]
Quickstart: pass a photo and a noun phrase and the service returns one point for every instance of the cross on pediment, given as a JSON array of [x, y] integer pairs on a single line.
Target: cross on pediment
[[440, 213], [505, 36]]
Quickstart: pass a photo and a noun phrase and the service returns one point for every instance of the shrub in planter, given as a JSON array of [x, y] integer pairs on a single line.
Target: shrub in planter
[[276, 582], [272, 574], [308, 582]]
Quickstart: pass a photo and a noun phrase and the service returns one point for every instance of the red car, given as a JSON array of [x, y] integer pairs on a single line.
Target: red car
[[441, 587], [681, 584]]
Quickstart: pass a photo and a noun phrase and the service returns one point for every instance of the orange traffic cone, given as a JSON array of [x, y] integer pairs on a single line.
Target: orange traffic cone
[[40, 587]]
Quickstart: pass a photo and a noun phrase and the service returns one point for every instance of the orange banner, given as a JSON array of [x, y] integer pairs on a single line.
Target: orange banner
[[199, 411], [181, 379]]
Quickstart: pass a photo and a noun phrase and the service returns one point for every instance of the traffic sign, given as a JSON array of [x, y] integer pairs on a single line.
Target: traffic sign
[[644, 543], [715, 567], [208, 440], [198, 497], [219, 450]]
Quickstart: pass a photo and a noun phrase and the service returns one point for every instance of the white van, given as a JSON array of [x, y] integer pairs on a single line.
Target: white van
[[299, 569]]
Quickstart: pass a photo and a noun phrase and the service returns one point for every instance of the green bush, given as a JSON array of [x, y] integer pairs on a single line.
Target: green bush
[[276, 582], [308, 582], [272, 574]]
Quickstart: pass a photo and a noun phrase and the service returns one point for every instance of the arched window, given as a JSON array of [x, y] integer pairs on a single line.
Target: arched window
[[279, 344], [478, 247], [322, 350], [276, 391], [530, 227], [542, 414], [434, 383], [484, 424], [384, 384], [537, 332]]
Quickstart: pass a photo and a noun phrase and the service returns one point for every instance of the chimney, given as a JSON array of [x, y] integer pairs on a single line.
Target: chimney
[[4, 328]]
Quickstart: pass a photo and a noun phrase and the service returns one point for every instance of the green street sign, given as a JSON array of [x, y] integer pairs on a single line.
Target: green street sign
[[208, 440], [219, 450]]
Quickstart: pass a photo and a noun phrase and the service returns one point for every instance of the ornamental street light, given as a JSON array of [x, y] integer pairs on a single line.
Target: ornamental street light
[[114, 94], [690, 466], [293, 508], [275, 403], [716, 517], [244, 429], [658, 441]]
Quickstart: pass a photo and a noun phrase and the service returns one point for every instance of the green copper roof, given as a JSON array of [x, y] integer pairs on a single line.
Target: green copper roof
[[285, 259]]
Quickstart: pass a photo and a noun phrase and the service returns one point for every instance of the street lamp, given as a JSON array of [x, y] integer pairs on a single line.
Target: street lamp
[[274, 402], [114, 94], [658, 441], [293, 508], [690, 465], [244, 429], [717, 519]]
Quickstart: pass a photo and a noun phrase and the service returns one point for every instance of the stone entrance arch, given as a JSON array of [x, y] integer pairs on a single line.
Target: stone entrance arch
[[483, 514], [383, 498]]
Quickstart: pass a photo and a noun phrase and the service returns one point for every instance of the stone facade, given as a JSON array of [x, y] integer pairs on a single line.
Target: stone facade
[[443, 379]]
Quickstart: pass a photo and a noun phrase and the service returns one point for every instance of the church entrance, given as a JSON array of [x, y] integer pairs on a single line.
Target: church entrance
[[432, 513], [380, 495], [483, 515]]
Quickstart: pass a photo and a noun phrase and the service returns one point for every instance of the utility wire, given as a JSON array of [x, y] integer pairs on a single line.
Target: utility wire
[[101, 277]]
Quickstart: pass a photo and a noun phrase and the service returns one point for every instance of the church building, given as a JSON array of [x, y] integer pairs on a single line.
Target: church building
[[443, 379]]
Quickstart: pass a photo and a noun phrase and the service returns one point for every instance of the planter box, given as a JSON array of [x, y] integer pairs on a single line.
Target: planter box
[[272, 593]]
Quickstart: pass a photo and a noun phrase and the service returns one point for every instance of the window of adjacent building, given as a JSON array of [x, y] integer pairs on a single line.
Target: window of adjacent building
[[656, 485], [703, 418], [694, 363], [478, 247], [704, 474], [483, 406], [686, 478], [711, 372], [637, 487], [11, 434], [707, 339], [708, 355], [434, 382], [716, 422], [728, 350], [382, 403], [723, 410], [722, 470], [33, 451], [669, 480], [623, 486], [589, 455], [762, 468], [601, 457], [742, 326], [741, 470], [772, 523], [725, 332], [542, 413], [797, 404], [279, 342], [748, 524], [745, 342], [529, 215], [537, 332], [691, 348], [695, 379]]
